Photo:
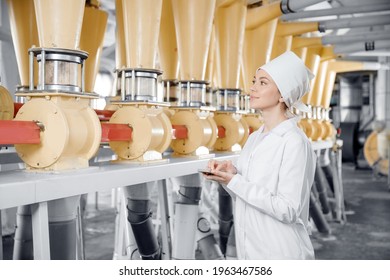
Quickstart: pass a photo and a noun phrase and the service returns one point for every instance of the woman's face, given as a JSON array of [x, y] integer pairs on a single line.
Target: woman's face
[[264, 93]]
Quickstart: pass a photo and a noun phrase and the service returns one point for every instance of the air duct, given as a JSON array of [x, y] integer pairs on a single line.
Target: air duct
[[337, 11], [354, 22], [262, 14], [186, 217], [362, 46]]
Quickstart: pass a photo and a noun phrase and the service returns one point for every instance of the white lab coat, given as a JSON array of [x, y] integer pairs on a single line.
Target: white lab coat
[[271, 192]]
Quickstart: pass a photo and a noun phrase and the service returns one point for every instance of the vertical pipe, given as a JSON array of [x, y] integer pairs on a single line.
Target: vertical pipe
[[316, 214], [207, 244], [1, 239], [23, 242], [231, 251], [225, 217], [62, 228], [140, 218], [186, 217], [322, 186]]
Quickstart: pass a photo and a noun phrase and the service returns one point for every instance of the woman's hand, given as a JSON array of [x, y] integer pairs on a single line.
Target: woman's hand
[[226, 166], [220, 176], [223, 171]]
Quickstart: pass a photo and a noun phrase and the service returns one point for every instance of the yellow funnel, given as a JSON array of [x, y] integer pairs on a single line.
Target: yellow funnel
[[260, 15], [301, 42], [193, 24], [295, 28], [285, 31], [120, 50], [319, 84], [24, 35], [210, 58], [169, 58], [258, 44], [92, 36], [281, 45], [312, 62], [230, 28], [59, 23], [141, 25]]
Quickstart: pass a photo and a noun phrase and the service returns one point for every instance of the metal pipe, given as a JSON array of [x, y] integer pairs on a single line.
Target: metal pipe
[[186, 217], [139, 217], [231, 251], [316, 214], [296, 5], [353, 22], [62, 228], [362, 46], [23, 240], [207, 244], [322, 186], [225, 217], [327, 169], [262, 14], [364, 37], [300, 42], [337, 11]]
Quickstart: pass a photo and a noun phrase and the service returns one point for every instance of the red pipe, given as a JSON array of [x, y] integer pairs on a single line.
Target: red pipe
[[221, 132], [115, 132], [19, 132], [179, 132]]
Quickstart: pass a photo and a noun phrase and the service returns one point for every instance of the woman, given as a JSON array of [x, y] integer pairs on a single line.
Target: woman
[[272, 179]]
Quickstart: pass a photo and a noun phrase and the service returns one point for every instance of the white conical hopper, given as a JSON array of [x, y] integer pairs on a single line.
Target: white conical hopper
[[257, 49], [24, 35], [120, 50], [169, 58], [193, 24], [92, 36], [141, 20], [59, 23], [230, 28]]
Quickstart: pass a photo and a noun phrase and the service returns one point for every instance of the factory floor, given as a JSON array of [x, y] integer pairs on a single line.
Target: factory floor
[[365, 235]]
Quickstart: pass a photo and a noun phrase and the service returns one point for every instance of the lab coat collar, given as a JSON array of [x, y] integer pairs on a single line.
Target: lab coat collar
[[284, 126]]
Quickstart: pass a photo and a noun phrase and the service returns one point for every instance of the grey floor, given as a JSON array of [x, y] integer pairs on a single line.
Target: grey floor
[[365, 235]]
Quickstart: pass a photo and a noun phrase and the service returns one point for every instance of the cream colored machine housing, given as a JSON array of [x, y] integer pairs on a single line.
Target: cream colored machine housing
[[201, 127], [70, 130], [140, 106], [151, 128]]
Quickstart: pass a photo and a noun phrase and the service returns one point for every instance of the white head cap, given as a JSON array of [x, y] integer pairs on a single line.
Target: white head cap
[[292, 78]]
